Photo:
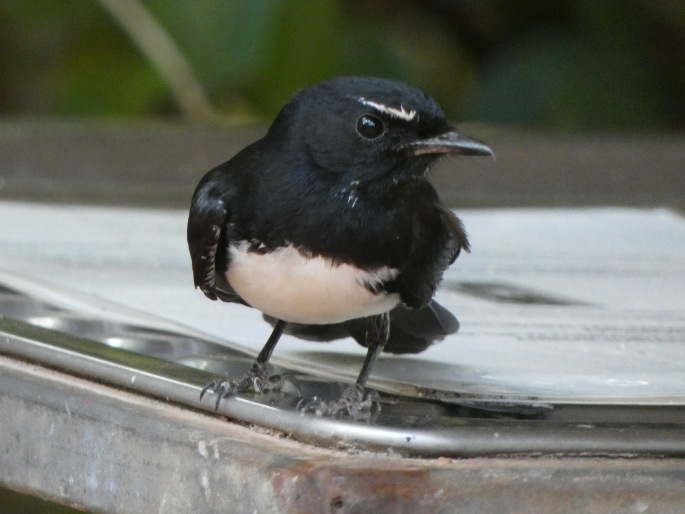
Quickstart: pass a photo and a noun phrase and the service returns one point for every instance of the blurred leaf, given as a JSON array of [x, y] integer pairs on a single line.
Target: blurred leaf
[[75, 61], [305, 48], [560, 81], [225, 40]]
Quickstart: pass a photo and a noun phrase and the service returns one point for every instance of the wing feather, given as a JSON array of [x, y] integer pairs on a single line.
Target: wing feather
[[207, 224]]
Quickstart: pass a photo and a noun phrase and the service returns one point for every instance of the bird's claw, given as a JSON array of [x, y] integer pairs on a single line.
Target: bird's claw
[[222, 388], [354, 403], [257, 380]]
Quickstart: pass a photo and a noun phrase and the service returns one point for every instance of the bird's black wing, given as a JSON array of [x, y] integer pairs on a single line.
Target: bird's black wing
[[458, 239], [438, 237], [208, 227]]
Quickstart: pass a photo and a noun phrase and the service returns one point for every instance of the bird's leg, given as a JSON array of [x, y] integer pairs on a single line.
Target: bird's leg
[[257, 378], [355, 400], [258, 370], [375, 341]]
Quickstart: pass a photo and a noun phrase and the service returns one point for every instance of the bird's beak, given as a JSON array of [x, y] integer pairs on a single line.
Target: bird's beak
[[450, 143]]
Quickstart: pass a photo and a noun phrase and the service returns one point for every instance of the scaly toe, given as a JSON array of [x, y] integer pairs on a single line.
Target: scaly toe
[[353, 403], [256, 380]]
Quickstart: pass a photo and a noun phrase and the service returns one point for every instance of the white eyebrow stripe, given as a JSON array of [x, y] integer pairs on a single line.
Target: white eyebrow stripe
[[393, 112]]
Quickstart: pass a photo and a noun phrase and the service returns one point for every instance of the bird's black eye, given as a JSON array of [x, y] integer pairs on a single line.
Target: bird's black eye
[[370, 126]]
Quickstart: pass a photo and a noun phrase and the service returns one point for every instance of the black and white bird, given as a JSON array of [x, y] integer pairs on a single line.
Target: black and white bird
[[329, 224]]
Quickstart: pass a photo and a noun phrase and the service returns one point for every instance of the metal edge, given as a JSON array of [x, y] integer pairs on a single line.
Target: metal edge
[[455, 438]]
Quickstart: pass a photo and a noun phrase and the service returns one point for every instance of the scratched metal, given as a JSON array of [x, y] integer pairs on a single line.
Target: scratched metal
[[175, 367]]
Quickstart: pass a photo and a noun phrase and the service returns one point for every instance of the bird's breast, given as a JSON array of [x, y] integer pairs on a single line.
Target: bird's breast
[[291, 286]]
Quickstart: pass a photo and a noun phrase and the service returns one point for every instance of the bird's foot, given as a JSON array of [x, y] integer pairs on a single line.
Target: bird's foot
[[256, 380], [354, 402]]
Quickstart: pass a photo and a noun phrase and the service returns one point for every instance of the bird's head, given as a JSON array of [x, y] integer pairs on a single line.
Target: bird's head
[[369, 130]]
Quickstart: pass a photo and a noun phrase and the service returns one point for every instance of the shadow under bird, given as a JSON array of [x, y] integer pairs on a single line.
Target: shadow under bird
[[329, 226]]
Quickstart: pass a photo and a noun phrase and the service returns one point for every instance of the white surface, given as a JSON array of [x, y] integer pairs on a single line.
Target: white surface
[[621, 338]]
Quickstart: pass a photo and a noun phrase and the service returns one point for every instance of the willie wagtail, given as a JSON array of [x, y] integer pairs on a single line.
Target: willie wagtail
[[328, 224]]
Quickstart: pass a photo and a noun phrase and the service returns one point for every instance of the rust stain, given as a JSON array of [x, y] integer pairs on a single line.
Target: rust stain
[[345, 488]]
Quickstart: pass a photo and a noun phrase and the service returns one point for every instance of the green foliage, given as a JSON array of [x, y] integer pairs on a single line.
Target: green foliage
[[594, 74], [567, 64], [568, 83], [68, 58]]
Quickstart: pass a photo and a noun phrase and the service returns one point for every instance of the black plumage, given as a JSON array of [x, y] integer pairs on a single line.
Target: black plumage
[[333, 205]]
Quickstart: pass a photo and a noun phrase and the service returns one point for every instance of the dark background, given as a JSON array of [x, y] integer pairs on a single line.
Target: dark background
[[567, 64]]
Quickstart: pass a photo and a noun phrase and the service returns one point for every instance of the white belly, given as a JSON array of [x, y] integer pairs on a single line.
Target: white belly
[[289, 286]]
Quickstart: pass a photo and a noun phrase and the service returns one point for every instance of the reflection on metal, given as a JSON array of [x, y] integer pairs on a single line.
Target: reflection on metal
[[175, 367]]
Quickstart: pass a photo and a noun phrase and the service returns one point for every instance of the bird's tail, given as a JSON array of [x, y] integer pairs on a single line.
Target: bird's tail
[[411, 330]]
